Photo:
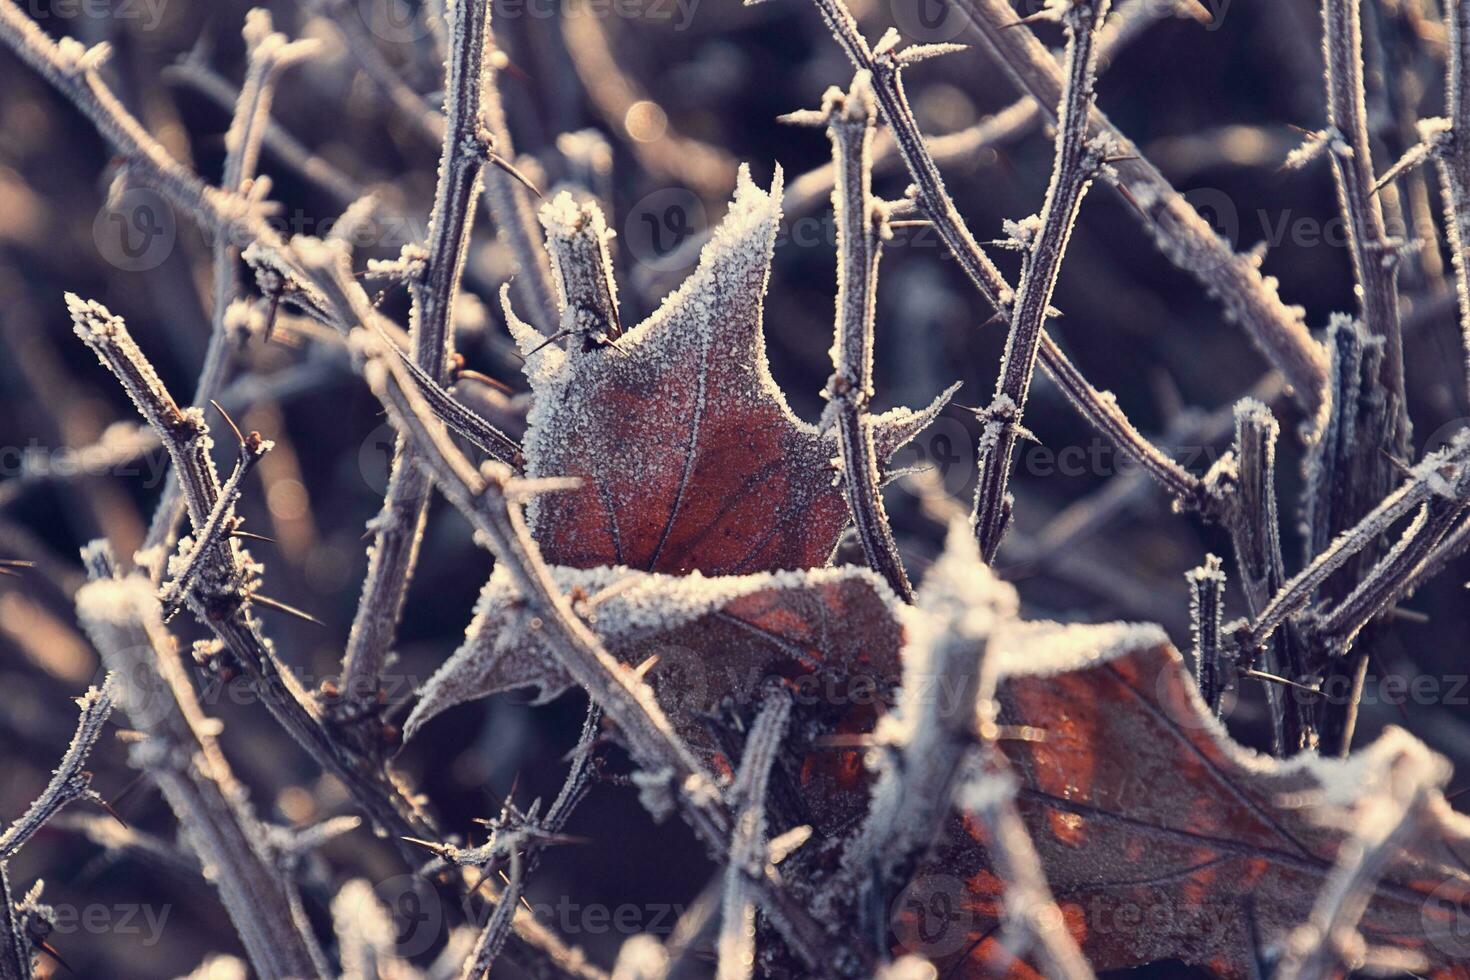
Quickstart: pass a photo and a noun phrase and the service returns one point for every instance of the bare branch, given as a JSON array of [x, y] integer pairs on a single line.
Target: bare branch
[[1077, 163], [747, 859], [1375, 257], [179, 753], [1185, 238], [400, 524], [69, 781]]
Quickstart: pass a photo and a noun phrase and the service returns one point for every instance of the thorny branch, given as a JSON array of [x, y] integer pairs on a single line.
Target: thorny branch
[[434, 276], [850, 119], [69, 782], [1044, 241], [1099, 408], [179, 754], [1185, 238]]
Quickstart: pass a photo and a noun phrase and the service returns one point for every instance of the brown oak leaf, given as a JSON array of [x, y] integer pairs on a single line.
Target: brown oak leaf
[[690, 458]]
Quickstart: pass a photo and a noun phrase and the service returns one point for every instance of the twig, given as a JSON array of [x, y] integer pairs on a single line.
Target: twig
[[747, 859], [1445, 473], [268, 54], [1077, 163], [399, 526], [850, 119], [1029, 907], [1256, 532], [124, 620], [1185, 238], [1454, 161], [15, 947], [69, 781], [1206, 611], [1383, 825], [1375, 258], [884, 67]]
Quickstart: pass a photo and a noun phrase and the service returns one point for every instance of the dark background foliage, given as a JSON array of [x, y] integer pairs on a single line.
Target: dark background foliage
[[1216, 106]]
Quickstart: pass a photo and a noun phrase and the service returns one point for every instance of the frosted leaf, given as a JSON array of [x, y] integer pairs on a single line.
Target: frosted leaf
[[690, 457], [712, 636]]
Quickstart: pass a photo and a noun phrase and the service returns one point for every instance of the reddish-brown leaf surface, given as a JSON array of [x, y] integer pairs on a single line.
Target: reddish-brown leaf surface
[[1164, 841], [832, 634], [689, 456]]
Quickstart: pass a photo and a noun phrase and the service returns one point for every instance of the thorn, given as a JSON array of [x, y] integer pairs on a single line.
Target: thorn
[[1262, 675], [285, 608], [97, 798], [484, 379], [510, 168], [239, 436], [647, 665], [559, 335], [51, 952], [251, 536], [429, 845]]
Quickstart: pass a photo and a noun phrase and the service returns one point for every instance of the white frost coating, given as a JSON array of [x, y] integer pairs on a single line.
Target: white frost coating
[[116, 601], [502, 649], [219, 968], [365, 932], [642, 957]]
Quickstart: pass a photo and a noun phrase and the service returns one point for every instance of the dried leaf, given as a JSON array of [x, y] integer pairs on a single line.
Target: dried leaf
[[1163, 840], [689, 456]]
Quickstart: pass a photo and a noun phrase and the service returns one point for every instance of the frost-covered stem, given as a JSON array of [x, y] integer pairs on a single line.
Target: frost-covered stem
[[581, 266], [1375, 258], [1206, 612], [990, 797], [1445, 473], [884, 67], [268, 54], [124, 621], [399, 526], [220, 522], [492, 938], [69, 781], [1328, 943], [1075, 165], [1256, 532], [1098, 408], [1185, 237], [1454, 160], [15, 947], [940, 708], [747, 858], [1344, 472], [485, 499], [222, 586], [851, 119], [1385, 583]]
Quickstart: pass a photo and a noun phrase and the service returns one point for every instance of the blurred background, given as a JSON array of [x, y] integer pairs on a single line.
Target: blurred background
[[649, 105]]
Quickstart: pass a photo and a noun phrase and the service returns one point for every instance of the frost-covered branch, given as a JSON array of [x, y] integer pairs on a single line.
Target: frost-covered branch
[[1181, 233], [1031, 914], [1375, 257], [850, 119], [1045, 241], [69, 781], [747, 858], [434, 284], [1384, 823], [1444, 473], [268, 54], [178, 752], [1206, 613], [1454, 160], [1255, 530], [15, 947]]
